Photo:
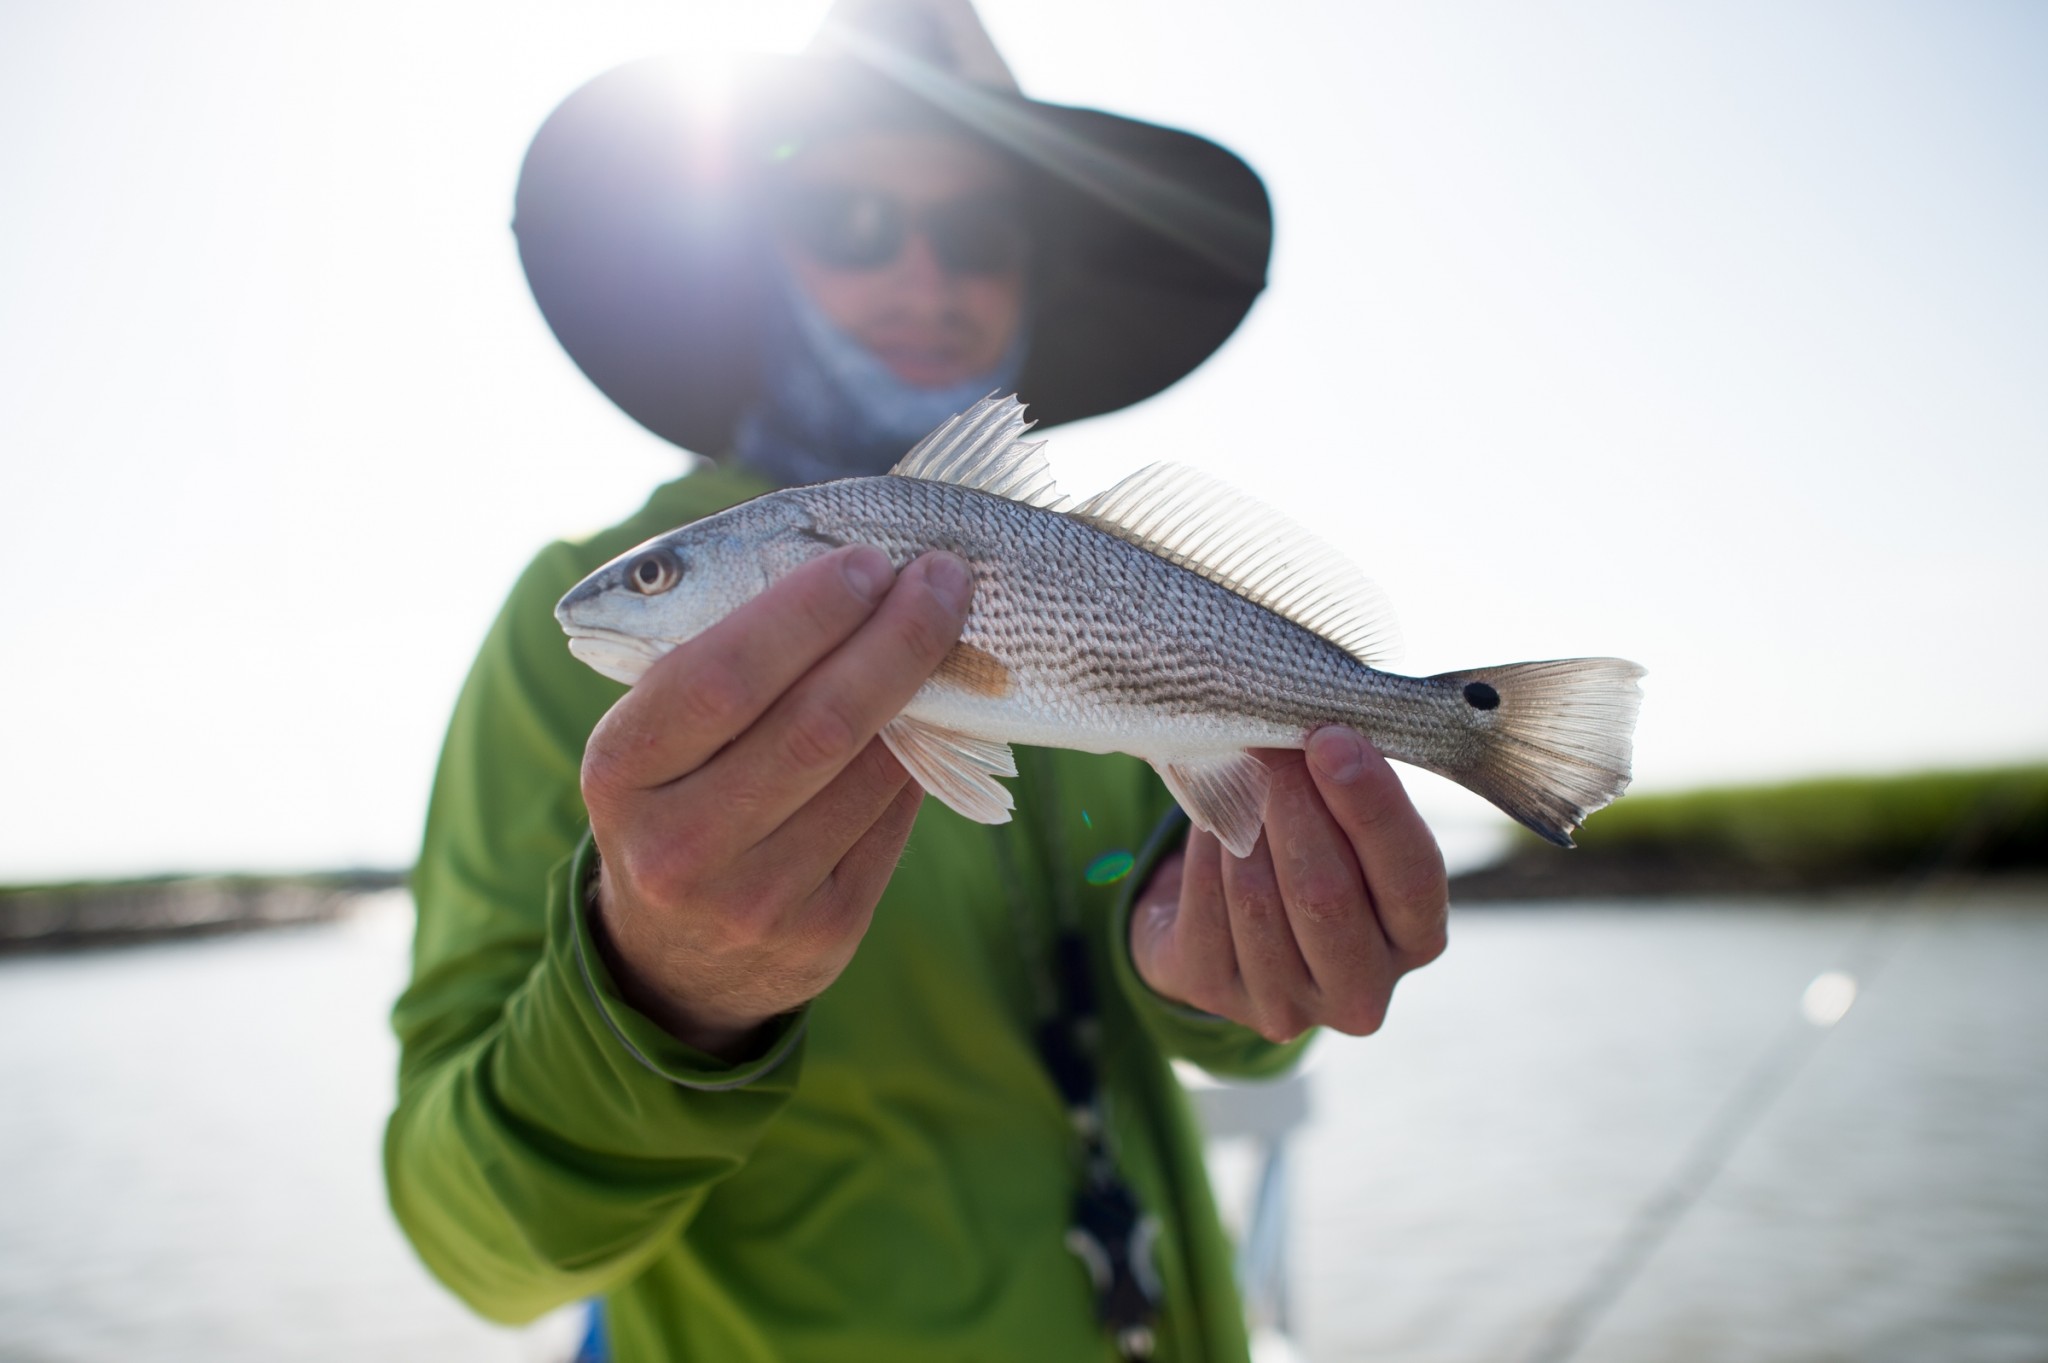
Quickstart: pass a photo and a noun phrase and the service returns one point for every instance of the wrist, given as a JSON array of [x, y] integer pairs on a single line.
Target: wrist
[[724, 1036]]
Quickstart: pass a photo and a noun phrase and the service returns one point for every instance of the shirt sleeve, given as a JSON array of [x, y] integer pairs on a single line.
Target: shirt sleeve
[[547, 1139]]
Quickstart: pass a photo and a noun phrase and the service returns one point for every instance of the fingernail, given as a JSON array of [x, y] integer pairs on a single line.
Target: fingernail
[[950, 580], [867, 571], [1338, 753]]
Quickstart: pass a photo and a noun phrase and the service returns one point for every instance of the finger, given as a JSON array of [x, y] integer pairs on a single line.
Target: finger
[[1152, 919], [804, 853], [1203, 962], [810, 734], [709, 689], [1329, 908], [1398, 855], [857, 882], [789, 905], [1277, 986]]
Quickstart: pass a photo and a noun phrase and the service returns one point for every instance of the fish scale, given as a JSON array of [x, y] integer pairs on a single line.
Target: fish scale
[[1168, 617]]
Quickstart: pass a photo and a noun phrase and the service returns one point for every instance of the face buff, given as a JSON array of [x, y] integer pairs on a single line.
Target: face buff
[[831, 409]]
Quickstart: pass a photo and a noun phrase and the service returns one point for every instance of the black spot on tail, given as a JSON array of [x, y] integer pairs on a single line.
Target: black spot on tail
[[1481, 696]]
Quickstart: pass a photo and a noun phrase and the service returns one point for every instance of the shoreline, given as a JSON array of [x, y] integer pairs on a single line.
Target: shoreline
[[1654, 883], [88, 915]]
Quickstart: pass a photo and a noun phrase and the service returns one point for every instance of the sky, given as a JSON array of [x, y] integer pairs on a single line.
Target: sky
[[1709, 336]]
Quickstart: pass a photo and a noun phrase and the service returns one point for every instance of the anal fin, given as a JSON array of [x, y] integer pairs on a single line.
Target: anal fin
[[1225, 795], [957, 769]]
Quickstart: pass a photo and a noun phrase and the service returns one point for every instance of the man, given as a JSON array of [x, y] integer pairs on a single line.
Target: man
[[708, 1016]]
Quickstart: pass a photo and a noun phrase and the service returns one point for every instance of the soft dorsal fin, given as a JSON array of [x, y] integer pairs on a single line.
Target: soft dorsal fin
[[1210, 528], [983, 448]]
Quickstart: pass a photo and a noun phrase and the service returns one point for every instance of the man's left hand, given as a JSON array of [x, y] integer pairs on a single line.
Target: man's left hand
[[1343, 895]]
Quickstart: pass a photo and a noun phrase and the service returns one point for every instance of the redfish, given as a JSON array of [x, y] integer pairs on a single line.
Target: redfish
[[1169, 617]]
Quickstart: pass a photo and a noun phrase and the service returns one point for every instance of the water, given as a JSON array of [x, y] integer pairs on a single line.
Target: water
[[189, 1134]]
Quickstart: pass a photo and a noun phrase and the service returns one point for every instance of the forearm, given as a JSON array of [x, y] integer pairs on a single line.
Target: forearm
[[551, 1155]]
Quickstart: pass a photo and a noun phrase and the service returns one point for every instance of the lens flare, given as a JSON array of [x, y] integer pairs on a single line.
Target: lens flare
[[1109, 868], [1828, 998]]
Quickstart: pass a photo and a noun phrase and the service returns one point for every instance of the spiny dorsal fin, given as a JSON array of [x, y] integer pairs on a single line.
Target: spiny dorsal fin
[[982, 448], [1208, 527]]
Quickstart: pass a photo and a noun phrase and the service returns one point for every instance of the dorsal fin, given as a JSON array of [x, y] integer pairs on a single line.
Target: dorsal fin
[[982, 448], [1208, 527]]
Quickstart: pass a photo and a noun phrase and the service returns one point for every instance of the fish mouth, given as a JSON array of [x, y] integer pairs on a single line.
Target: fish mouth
[[624, 658]]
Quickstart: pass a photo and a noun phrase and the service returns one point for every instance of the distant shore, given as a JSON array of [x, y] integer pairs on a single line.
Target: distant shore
[[1803, 837], [111, 912]]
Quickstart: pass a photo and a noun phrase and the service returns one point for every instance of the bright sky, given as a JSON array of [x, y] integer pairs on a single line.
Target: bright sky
[[1711, 336]]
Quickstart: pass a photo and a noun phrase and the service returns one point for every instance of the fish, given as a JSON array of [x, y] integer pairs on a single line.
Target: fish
[[1169, 616]]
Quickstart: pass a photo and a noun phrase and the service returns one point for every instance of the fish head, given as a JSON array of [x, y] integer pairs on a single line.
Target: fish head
[[625, 616]]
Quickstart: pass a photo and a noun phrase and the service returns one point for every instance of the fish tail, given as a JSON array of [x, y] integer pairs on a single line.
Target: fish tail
[[1554, 739]]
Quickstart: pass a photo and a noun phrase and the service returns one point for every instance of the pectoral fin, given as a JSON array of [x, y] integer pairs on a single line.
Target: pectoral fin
[[959, 770], [1225, 795]]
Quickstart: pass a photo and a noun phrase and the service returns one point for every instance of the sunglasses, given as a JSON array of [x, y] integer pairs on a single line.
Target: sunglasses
[[847, 228]]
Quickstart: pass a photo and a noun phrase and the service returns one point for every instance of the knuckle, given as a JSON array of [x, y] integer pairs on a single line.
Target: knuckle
[[1422, 914], [1280, 1027], [1360, 1016], [839, 917], [1208, 996], [745, 797], [716, 698], [745, 928], [1422, 881], [1380, 806], [821, 738], [665, 875], [1292, 783], [1378, 813], [1260, 914], [600, 776], [744, 917], [1428, 947], [607, 772], [1252, 892], [1323, 900]]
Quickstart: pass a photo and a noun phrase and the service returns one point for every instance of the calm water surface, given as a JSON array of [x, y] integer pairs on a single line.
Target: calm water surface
[[189, 1139]]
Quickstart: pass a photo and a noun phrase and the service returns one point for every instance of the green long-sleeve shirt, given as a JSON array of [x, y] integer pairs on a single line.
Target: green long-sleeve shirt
[[891, 1178]]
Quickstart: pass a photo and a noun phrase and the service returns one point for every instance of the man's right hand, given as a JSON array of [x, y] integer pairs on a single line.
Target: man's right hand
[[746, 816]]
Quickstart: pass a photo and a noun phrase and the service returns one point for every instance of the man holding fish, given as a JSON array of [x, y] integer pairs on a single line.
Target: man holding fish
[[712, 1016]]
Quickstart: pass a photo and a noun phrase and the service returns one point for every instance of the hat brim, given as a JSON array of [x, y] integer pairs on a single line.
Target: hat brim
[[642, 249]]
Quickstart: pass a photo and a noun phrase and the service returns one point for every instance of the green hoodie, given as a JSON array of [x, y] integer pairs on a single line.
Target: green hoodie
[[892, 1178]]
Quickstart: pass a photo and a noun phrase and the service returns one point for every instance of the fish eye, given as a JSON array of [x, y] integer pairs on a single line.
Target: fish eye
[[653, 573]]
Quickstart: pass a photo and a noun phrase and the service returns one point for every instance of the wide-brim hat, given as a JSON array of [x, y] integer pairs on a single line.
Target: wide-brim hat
[[646, 253]]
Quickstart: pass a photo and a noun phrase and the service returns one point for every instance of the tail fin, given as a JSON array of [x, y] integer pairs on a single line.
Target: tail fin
[[1555, 738]]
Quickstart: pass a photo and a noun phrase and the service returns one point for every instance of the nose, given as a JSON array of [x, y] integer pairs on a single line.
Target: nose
[[917, 266]]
